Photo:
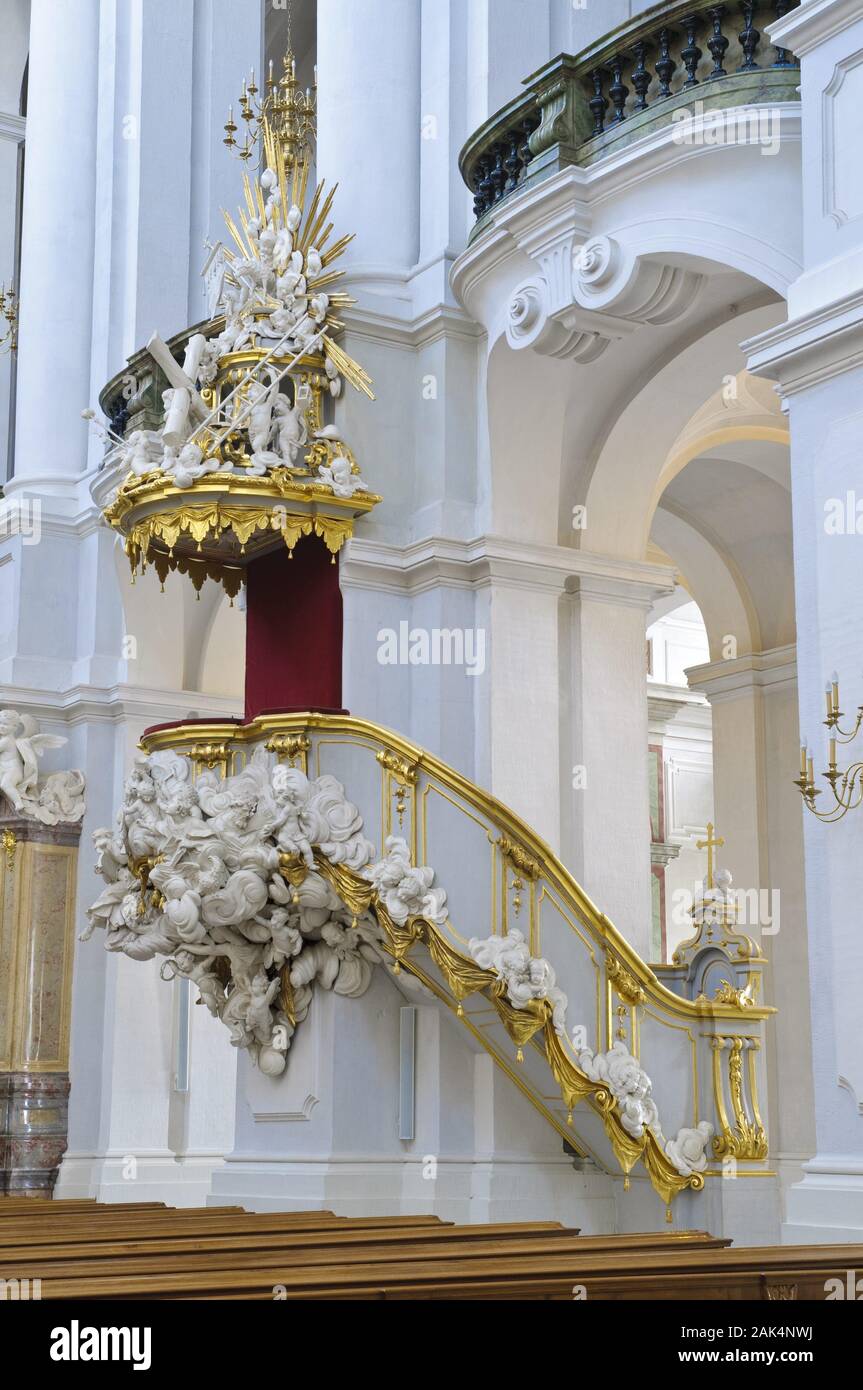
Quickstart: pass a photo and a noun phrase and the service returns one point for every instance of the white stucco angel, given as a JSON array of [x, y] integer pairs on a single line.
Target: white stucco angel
[[405, 890], [291, 427], [333, 377], [260, 424], [628, 1082], [339, 475], [526, 977], [142, 452], [21, 745], [291, 791]]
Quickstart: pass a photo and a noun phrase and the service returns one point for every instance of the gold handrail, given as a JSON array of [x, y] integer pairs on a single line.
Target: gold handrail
[[504, 819]]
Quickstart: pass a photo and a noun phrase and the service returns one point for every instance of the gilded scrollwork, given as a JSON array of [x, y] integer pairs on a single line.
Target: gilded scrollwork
[[521, 862], [623, 980], [745, 1138], [292, 748]]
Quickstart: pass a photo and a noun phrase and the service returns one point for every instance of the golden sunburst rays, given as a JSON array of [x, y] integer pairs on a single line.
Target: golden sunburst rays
[[349, 368], [314, 232]]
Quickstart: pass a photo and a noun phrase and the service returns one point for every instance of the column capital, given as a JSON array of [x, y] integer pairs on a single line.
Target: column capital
[[487, 560], [814, 347], [729, 680]]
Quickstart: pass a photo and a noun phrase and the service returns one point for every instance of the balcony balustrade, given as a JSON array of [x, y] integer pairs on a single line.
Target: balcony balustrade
[[578, 110]]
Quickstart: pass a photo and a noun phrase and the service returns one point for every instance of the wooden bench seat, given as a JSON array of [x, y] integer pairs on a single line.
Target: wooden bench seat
[[464, 1244], [148, 1251]]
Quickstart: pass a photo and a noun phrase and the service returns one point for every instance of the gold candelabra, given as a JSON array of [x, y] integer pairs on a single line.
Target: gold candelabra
[[286, 109], [846, 787], [9, 313]]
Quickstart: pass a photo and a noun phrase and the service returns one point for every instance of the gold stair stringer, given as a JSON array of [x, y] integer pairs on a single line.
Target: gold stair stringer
[[445, 966]]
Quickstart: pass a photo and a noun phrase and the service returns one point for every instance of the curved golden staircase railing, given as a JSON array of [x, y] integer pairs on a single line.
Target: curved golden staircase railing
[[515, 880]]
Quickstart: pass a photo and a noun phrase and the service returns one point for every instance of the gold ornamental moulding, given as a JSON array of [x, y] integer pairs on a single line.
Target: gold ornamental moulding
[[626, 962], [216, 527]]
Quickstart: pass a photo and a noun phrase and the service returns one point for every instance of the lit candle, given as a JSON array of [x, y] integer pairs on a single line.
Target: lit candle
[[271, 72], [835, 691]]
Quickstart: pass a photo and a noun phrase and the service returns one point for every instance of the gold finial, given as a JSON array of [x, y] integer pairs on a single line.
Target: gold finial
[[710, 845]]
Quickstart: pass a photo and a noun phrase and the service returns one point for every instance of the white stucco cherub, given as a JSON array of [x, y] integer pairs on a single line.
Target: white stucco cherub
[[291, 794], [291, 424], [261, 415], [339, 475], [21, 745]]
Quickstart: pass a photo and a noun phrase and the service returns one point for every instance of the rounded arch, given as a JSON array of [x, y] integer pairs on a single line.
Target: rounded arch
[[636, 450], [713, 580]]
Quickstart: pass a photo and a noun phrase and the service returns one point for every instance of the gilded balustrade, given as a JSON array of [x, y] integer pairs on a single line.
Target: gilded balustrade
[[500, 877]]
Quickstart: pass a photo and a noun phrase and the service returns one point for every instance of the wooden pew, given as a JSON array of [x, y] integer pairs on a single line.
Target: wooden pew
[[92, 1251], [461, 1244], [337, 1239], [795, 1272]]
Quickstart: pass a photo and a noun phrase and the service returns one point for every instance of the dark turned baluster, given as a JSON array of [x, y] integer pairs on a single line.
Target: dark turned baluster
[[498, 174], [119, 416], [486, 188], [598, 102], [665, 64], [784, 57], [641, 78], [617, 91], [717, 43], [691, 54], [524, 150], [750, 38], [512, 163], [479, 203]]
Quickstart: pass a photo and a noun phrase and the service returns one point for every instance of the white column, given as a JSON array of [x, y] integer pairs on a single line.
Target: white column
[[228, 41], [815, 357], [508, 40], [607, 807], [520, 716], [369, 124], [58, 236]]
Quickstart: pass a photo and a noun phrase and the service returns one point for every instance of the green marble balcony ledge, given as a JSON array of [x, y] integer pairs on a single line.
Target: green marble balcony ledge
[[556, 97]]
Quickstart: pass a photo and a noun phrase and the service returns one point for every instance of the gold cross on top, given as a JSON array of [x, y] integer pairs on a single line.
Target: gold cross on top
[[710, 844]]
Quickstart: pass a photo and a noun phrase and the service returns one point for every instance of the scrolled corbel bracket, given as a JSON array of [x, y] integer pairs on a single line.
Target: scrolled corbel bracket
[[588, 293], [609, 278], [532, 323]]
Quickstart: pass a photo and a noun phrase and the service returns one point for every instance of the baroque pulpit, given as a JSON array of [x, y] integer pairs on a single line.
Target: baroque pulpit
[[283, 862]]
